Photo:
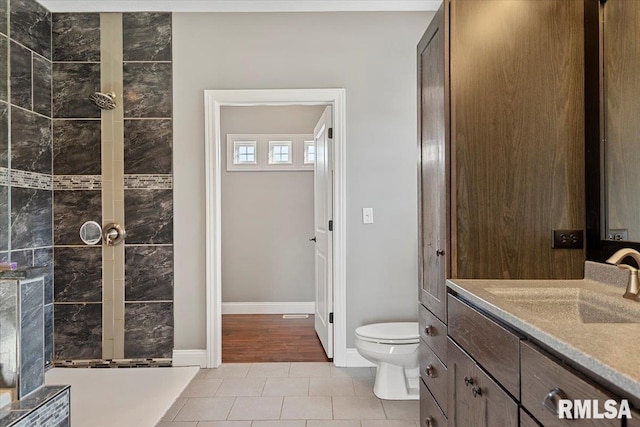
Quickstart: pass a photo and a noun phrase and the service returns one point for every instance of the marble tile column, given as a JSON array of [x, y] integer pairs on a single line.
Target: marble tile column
[[148, 194], [77, 185], [25, 143]]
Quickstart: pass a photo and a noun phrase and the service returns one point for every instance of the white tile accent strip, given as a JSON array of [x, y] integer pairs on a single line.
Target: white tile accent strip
[[77, 182], [148, 182], [34, 180]]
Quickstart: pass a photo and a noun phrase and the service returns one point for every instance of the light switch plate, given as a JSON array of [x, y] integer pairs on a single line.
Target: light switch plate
[[367, 215]]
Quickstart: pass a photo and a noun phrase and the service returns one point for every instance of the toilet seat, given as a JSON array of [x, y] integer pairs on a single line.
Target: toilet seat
[[390, 333]]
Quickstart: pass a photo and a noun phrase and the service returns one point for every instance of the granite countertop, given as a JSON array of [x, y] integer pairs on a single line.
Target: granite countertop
[[24, 273], [606, 350]]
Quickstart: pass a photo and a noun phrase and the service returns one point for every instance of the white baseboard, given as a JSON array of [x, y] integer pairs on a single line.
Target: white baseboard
[[303, 307], [190, 358], [355, 360]]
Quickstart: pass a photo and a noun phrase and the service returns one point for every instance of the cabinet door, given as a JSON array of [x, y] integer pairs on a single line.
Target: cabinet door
[[475, 400], [517, 135], [433, 170]]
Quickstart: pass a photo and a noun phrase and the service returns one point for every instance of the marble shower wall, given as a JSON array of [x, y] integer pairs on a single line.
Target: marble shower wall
[[81, 185], [77, 195], [26, 228], [148, 194]]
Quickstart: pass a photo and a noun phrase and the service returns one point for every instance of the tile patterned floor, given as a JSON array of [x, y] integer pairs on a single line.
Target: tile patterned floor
[[286, 395]]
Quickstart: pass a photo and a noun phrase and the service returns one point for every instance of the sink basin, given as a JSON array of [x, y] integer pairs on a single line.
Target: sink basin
[[571, 304]]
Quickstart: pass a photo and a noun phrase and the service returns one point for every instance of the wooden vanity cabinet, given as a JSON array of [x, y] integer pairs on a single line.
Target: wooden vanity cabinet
[[500, 129], [481, 353]]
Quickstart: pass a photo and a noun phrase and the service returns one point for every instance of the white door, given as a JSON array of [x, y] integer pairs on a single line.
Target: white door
[[323, 213]]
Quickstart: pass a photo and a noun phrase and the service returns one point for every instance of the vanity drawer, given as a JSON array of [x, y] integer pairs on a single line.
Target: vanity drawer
[[527, 420], [542, 375], [434, 374], [494, 347], [433, 332], [430, 413]]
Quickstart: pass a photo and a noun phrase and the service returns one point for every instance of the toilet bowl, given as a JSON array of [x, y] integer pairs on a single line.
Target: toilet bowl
[[393, 348]]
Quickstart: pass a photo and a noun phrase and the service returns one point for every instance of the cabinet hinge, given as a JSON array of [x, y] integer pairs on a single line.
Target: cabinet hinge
[[330, 317], [330, 133], [330, 225]]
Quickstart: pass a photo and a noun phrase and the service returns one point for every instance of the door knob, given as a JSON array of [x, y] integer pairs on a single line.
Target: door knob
[[430, 371], [313, 239], [439, 253]]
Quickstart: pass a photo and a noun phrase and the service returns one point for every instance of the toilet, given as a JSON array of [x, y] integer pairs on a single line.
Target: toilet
[[393, 348]]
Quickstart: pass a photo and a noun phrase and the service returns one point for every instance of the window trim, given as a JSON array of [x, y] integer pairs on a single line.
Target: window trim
[[263, 152]]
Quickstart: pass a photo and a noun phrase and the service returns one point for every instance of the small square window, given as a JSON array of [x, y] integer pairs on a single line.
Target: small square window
[[244, 152], [309, 152], [280, 152]]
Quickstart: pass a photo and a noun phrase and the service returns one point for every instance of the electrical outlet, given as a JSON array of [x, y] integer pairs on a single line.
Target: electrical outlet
[[618, 234], [568, 239]]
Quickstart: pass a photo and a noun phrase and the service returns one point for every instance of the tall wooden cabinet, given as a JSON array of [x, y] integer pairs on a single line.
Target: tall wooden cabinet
[[501, 134]]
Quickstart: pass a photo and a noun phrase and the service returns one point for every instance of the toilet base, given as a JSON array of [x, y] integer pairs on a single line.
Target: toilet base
[[392, 383]]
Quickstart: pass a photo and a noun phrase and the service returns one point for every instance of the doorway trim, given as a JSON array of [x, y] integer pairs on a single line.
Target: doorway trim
[[213, 101]]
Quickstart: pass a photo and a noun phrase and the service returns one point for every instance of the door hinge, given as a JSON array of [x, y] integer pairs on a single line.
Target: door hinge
[[330, 133], [330, 317], [330, 225]]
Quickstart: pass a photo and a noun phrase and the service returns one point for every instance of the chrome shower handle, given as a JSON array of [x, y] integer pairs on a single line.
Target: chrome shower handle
[[113, 234]]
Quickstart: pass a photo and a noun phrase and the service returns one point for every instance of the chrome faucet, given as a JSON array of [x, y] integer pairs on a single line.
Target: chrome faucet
[[633, 287]]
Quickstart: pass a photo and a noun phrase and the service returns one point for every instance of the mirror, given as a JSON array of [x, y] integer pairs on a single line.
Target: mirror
[[621, 120], [91, 233]]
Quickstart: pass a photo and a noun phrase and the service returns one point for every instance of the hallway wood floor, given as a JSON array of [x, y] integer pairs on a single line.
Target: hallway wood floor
[[250, 338]]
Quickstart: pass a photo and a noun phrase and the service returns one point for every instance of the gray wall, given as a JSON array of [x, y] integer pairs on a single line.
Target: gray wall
[[372, 55], [267, 217]]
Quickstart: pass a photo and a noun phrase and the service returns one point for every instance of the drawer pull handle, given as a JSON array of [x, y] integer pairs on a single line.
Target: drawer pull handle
[[430, 371], [430, 422], [477, 391], [428, 330], [468, 381], [552, 400]]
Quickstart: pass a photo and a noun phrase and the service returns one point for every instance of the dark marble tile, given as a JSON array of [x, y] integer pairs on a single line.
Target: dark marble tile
[[31, 337], [149, 216], [146, 36], [78, 331], [148, 273], [30, 141], [48, 334], [24, 258], [73, 84], [4, 218], [44, 258], [41, 85], [21, 84], [30, 218], [31, 26], [147, 90], [4, 65], [78, 274], [148, 146], [76, 37], [4, 9], [77, 147], [148, 330], [71, 209], [35, 400], [4, 135]]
